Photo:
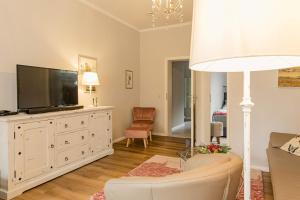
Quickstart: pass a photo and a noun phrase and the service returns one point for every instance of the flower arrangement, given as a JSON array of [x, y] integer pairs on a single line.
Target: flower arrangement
[[213, 148]]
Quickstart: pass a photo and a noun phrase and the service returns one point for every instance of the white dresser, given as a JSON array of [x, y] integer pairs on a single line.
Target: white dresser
[[37, 148]]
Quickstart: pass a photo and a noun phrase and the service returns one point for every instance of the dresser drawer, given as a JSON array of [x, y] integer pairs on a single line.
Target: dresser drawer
[[71, 139], [72, 123], [71, 155]]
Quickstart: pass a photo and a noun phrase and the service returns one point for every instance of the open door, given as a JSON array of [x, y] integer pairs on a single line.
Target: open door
[[180, 99]]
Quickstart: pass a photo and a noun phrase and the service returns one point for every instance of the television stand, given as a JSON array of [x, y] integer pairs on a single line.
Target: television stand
[[35, 149], [52, 109]]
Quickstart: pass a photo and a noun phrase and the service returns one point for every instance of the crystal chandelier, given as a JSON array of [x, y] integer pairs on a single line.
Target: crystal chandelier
[[166, 9]]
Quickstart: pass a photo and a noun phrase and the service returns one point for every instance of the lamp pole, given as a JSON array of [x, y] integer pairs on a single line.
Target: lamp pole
[[246, 107]]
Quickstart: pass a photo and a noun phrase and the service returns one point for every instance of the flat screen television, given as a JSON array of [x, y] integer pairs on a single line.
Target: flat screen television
[[39, 87]]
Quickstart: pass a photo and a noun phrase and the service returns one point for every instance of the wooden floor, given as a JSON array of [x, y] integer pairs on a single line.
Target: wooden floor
[[82, 183], [268, 186]]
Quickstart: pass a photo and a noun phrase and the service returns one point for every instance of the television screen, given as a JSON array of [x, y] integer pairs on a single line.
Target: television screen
[[44, 87]]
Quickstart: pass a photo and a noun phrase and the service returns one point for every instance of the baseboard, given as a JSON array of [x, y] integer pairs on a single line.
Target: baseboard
[[119, 139], [160, 134], [178, 127], [3, 194], [262, 168]]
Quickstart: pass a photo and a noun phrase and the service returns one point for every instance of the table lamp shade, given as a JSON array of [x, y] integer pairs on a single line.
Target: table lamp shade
[[90, 78], [245, 35]]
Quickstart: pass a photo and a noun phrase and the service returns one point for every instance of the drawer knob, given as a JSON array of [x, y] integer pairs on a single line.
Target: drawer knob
[[93, 134], [66, 125], [52, 146], [82, 137], [82, 152], [51, 122], [66, 158], [67, 142], [19, 153], [82, 122]]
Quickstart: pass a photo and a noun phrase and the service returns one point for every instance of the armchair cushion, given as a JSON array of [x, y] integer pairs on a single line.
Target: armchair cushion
[[143, 117], [143, 123], [143, 113]]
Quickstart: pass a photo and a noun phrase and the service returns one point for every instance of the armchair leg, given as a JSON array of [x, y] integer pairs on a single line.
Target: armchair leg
[[151, 136], [145, 143], [128, 142]]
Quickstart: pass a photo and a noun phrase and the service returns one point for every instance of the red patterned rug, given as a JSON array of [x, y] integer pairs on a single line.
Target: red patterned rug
[[257, 187], [159, 166]]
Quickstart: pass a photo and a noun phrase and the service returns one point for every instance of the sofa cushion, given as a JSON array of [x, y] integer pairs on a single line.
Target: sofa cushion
[[292, 146], [279, 139]]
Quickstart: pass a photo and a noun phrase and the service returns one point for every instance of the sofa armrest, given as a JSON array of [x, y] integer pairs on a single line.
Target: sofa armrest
[[209, 185], [279, 139]]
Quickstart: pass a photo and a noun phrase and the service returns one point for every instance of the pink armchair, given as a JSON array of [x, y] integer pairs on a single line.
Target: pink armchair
[[143, 117], [142, 125]]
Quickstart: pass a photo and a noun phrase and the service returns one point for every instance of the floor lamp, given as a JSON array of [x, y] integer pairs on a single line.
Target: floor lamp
[[245, 36]]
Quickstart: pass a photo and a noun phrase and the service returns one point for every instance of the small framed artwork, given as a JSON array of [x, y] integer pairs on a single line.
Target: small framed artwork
[[128, 79], [289, 77]]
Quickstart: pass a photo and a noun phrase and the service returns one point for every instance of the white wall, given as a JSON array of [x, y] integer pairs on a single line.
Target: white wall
[[155, 47], [217, 82], [276, 109], [53, 33], [202, 108], [178, 70]]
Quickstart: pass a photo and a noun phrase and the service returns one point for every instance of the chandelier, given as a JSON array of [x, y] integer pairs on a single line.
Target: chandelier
[[166, 9]]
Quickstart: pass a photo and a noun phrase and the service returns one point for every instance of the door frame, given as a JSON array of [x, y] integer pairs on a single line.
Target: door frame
[[205, 138], [168, 94]]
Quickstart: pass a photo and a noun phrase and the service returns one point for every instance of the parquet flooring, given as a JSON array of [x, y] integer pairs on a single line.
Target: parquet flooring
[[80, 184]]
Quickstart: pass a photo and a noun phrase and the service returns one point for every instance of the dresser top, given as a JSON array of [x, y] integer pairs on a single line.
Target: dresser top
[[24, 116]]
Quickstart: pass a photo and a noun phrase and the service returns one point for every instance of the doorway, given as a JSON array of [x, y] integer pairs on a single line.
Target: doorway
[[218, 107], [179, 108]]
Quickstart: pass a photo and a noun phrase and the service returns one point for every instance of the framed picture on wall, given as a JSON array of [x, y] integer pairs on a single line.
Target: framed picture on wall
[[128, 79], [87, 64], [289, 77]]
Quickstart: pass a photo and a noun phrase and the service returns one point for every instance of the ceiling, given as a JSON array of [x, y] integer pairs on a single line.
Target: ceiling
[[135, 12]]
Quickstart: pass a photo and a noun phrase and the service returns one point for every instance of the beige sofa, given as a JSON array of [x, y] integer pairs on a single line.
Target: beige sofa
[[205, 177], [284, 168]]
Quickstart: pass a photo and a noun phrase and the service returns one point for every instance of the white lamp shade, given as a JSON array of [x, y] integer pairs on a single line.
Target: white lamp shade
[[90, 78], [245, 35]]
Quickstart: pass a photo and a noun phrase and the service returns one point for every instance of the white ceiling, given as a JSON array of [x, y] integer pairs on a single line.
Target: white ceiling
[[135, 12]]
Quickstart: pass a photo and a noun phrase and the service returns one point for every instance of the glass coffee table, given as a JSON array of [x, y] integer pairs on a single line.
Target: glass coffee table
[[186, 154]]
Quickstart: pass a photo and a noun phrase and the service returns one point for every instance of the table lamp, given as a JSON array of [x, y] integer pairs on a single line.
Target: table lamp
[[245, 36], [90, 79]]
